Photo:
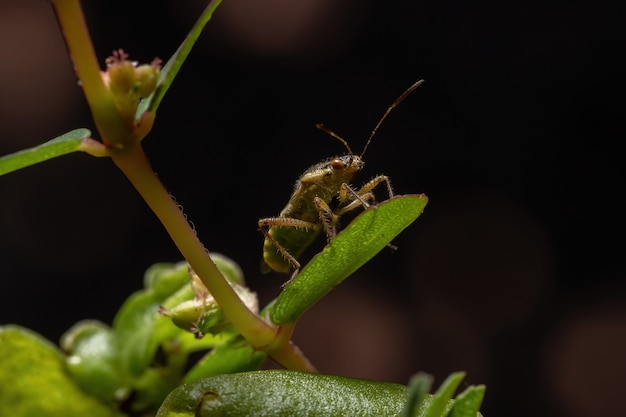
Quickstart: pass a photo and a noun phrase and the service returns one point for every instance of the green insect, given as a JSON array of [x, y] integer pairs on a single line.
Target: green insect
[[320, 197]]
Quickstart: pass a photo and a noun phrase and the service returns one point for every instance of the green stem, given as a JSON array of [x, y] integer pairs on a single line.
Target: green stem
[[136, 167], [257, 331], [286, 353], [122, 144], [105, 114], [93, 148]]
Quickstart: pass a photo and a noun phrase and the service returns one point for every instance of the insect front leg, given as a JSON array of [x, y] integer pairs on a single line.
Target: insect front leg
[[373, 183], [363, 197], [328, 218], [357, 200]]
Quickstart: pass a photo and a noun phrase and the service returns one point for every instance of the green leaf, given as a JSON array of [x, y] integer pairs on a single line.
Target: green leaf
[[173, 65], [467, 403], [139, 327], [62, 145], [33, 381], [419, 386], [233, 355], [441, 404], [360, 241], [283, 393], [93, 360], [292, 393], [136, 321]]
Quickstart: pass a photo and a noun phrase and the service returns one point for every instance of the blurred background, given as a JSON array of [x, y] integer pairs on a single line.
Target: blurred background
[[515, 271]]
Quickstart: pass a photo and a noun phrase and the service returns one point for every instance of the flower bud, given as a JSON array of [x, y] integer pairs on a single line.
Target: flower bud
[[130, 82]]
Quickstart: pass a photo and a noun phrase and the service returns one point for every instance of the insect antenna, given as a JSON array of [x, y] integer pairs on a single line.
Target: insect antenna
[[326, 130], [393, 106]]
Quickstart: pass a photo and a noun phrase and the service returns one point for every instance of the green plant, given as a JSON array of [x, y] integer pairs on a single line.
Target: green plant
[[140, 364]]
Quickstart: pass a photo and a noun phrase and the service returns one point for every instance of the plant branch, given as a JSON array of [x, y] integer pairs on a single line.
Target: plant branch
[[136, 167], [288, 354], [106, 116], [259, 333], [121, 142]]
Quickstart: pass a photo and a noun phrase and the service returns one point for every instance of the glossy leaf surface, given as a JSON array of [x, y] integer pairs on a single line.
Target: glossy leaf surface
[[173, 65], [34, 382], [62, 145], [359, 242]]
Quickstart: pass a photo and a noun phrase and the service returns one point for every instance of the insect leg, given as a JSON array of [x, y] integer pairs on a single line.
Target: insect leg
[[362, 200], [363, 196], [371, 184], [284, 222], [328, 218]]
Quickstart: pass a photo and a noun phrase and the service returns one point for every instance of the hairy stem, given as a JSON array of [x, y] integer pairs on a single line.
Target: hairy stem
[[121, 142], [136, 167], [257, 331]]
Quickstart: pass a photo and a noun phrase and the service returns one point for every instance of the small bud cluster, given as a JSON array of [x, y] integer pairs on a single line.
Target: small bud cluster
[[202, 315], [130, 82]]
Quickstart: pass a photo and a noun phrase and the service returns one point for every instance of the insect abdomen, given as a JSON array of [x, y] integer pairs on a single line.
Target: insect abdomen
[[294, 241]]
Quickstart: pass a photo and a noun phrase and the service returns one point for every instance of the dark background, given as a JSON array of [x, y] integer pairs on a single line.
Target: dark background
[[515, 271]]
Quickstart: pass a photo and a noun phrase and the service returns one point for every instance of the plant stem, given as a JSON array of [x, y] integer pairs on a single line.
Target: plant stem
[[257, 331], [122, 144], [136, 167], [288, 354], [105, 114]]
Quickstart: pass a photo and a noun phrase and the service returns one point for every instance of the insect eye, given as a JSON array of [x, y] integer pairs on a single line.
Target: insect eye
[[337, 164]]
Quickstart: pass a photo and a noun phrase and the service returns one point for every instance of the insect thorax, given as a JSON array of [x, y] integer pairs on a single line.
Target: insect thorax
[[323, 180]]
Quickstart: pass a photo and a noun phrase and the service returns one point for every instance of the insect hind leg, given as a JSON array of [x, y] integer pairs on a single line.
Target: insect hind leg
[[265, 224]]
